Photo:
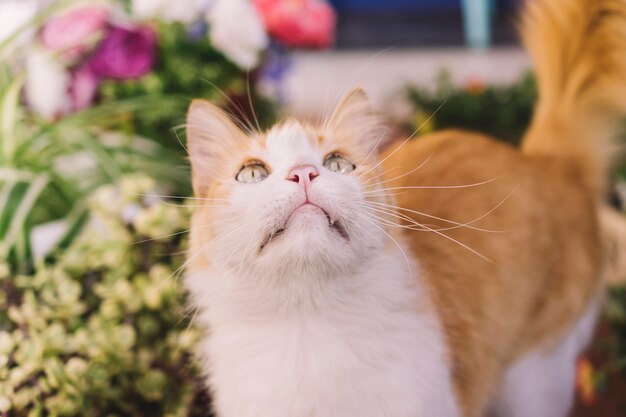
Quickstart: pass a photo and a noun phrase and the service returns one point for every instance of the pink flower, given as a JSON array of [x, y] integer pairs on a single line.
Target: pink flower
[[83, 87], [299, 22], [72, 31], [124, 53]]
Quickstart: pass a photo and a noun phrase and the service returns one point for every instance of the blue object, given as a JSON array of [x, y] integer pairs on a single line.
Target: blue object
[[395, 5], [477, 16]]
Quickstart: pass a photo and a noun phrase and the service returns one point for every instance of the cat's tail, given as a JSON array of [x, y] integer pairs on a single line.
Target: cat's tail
[[579, 51]]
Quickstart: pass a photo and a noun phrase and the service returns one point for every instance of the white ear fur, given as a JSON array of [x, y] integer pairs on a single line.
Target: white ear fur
[[355, 118], [211, 135]]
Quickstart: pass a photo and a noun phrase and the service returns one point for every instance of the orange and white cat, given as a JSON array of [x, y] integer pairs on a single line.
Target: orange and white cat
[[451, 275]]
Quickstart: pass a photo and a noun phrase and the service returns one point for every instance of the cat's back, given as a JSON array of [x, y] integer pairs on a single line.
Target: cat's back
[[508, 246]]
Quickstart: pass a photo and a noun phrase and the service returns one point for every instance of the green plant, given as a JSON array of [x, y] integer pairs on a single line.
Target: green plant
[[46, 168], [103, 331], [501, 111]]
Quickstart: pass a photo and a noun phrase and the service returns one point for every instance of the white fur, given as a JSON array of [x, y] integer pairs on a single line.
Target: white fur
[[314, 325], [542, 383]]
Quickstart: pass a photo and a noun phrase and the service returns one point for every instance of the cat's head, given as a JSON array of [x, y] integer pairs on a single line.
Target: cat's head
[[293, 199]]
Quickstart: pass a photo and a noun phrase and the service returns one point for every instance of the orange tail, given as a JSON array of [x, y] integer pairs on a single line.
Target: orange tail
[[579, 51]]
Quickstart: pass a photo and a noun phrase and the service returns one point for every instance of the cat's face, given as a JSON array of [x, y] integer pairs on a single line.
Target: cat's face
[[293, 199]]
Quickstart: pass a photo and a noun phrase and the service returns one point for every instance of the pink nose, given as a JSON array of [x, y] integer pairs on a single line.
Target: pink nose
[[303, 174]]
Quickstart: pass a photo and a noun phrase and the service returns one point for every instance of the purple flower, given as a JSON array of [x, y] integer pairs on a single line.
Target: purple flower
[[124, 53]]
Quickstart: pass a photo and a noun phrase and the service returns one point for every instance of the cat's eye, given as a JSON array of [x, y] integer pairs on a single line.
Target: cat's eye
[[338, 163], [252, 172]]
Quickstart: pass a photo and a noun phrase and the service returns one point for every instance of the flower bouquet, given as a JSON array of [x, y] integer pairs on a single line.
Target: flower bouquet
[[91, 90]]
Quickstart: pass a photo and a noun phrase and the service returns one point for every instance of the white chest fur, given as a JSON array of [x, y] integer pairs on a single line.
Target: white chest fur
[[360, 346]]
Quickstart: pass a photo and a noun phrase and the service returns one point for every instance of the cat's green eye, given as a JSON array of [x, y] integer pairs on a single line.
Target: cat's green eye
[[338, 163], [252, 172]]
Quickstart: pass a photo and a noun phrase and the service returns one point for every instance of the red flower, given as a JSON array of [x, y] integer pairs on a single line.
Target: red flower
[[304, 23]]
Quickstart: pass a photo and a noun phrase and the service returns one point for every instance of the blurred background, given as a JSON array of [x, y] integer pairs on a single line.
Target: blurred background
[[94, 184]]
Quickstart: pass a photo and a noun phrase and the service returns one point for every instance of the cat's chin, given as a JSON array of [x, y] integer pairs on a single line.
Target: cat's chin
[[308, 222]]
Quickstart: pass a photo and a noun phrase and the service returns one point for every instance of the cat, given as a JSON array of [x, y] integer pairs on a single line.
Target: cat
[[450, 275]]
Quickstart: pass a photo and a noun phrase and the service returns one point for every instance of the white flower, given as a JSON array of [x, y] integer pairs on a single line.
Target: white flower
[[13, 15], [47, 84], [185, 11], [146, 9], [236, 29], [45, 237]]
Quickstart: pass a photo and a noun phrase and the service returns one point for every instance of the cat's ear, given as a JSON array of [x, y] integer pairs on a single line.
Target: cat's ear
[[355, 119], [211, 136]]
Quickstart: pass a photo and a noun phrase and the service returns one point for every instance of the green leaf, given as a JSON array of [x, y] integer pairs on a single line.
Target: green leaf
[[9, 111], [18, 219]]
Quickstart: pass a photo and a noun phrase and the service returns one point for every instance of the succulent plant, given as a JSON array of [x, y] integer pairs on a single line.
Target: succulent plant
[[102, 330]]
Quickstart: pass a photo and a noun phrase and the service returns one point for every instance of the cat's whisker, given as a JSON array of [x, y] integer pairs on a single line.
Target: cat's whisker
[[407, 173], [435, 187], [218, 274], [391, 224], [406, 140], [242, 119], [385, 210], [175, 130], [197, 206], [204, 226], [475, 252], [395, 207], [180, 197], [382, 194], [463, 245], [179, 270], [460, 224], [250, 103], [183, 206], [485, 215], [178, 252], [406, 258], [137, 242], [374, 178], [395, 215], [374, 148], [419, 227], [351, 81], [250, 242]]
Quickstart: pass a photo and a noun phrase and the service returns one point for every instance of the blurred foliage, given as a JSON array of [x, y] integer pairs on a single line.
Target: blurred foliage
[[501, 111], [615, 312], [48, 167], [188, 67], [103, 331]]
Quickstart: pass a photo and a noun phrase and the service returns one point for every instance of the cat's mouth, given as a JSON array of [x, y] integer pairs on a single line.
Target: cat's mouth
[[335, 225]]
